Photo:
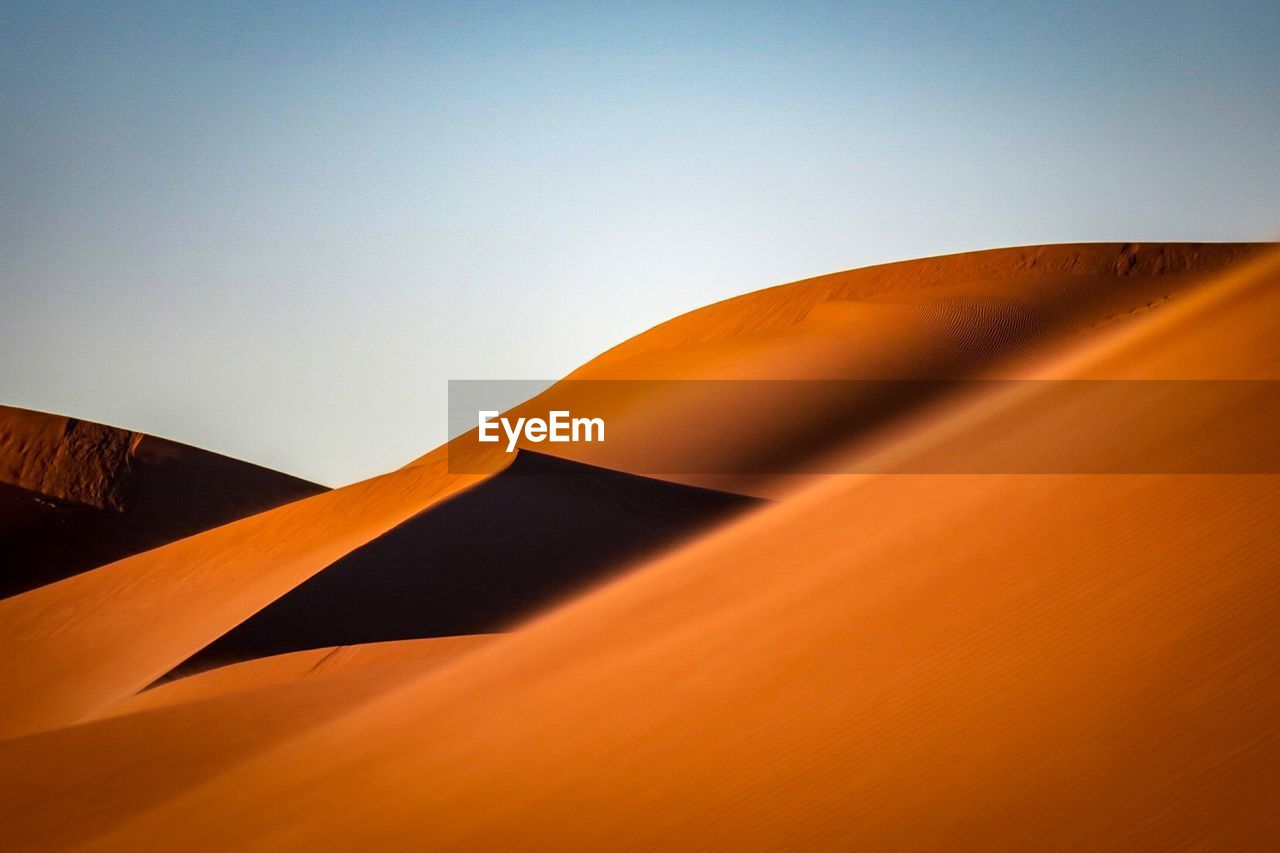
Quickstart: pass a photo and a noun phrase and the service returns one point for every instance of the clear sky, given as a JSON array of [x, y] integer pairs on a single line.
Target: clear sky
[[276, 229]]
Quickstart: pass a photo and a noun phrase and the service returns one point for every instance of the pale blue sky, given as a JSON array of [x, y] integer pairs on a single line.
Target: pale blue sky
[[276, 229]]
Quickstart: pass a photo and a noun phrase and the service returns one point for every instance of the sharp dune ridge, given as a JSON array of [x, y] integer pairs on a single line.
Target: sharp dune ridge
[[1022, 275], [885, 662], [996, 314]]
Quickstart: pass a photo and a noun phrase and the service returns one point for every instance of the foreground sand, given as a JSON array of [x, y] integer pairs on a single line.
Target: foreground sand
[[894, 661]]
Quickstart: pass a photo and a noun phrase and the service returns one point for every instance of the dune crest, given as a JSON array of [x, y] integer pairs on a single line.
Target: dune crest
[[65, 459], [1000, 313]]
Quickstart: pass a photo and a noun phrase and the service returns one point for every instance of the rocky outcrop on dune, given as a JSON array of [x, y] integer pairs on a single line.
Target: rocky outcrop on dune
[[75, 495]]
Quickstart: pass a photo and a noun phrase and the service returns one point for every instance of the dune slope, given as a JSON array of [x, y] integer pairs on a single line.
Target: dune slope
[[295, 666], [478, 561], [171, 738], [996, 313], [983, 661], [75, 495], [891, 662], [74, 647]]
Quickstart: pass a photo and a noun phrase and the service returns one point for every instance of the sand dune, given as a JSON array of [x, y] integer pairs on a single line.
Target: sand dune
[[1091, 283], [173, 737], [982, 314], [889, 662], [478, 561], [150, 612], [895, 661], [73, 647], [75, 495]]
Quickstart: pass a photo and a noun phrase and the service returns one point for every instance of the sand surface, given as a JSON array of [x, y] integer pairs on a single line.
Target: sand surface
[[893, 661]]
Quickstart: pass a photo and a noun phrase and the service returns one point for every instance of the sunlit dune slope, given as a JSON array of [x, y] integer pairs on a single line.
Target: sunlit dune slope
[[75, 495], [539, 529], [411, 655], [893, 662], [171, 738], [994, 313], [1091, 282]]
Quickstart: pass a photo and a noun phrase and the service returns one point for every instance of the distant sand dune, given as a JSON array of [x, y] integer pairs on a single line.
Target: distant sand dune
[[76, 495]]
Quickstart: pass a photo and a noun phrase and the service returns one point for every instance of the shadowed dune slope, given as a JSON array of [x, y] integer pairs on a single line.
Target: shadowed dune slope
[[478, 561], [75, 495], [994, 313], [895, 662]]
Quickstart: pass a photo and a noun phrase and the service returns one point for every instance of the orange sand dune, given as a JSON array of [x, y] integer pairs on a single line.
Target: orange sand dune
[[876, 662], [1084, 279], [173, 737], [74, 647], [993, 313], [75, 495], [888, 662]]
